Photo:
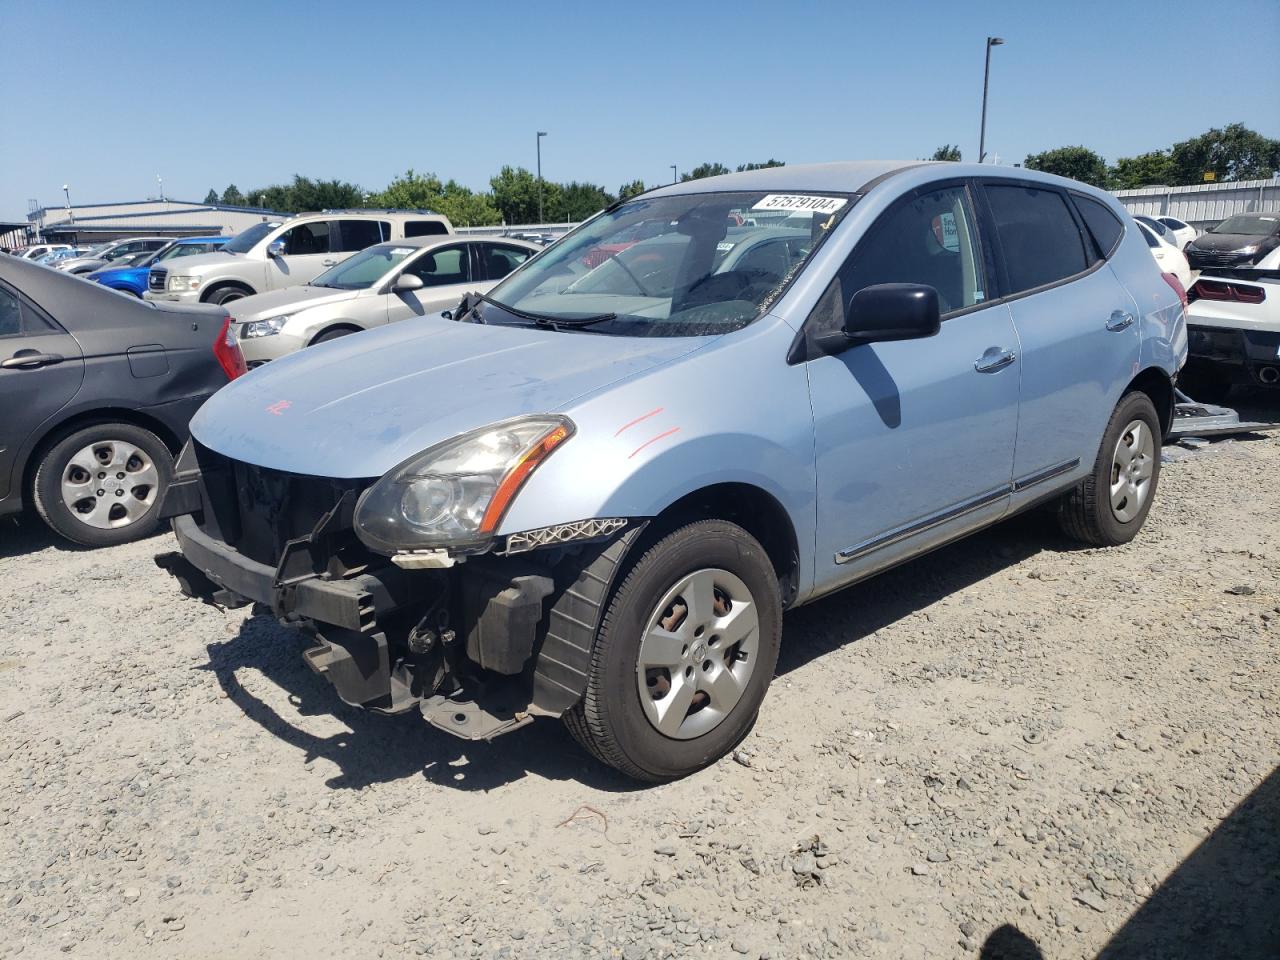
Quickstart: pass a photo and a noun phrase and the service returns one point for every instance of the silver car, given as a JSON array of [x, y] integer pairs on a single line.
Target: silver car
[[113, 253], [383, 284]]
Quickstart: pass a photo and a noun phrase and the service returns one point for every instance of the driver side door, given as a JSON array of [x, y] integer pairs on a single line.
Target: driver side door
[[308, 252]]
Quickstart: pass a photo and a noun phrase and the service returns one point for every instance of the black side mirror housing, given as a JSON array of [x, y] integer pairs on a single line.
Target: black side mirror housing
[[886, 311]]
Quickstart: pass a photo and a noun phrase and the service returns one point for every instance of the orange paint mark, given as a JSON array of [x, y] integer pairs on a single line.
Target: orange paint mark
[[628, 426], [653, 440]]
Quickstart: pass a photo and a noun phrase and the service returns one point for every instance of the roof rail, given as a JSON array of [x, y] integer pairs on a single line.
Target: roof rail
[[313, 213]]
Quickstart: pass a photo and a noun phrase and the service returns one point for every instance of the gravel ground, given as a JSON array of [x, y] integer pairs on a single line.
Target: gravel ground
[[1006, 744]]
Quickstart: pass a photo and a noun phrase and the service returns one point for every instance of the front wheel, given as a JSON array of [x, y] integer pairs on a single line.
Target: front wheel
[[684, 654], [1109, 506], [224, 295]]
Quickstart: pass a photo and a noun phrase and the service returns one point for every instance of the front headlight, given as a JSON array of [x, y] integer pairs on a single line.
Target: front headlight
[[455, 493], [181, 284], [262, 328], [1251, 249]]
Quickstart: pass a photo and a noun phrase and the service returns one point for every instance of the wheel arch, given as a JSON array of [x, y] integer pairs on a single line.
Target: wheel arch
[[221, 284], [1157, 385], [329, 326]]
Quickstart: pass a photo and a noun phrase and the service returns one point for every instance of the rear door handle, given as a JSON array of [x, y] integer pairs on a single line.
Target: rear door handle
[[1119, 320], [995, 358], [29, 360]]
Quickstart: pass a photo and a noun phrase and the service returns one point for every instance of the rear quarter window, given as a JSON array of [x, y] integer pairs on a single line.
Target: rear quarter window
[[424, 228], [1038, 235], [1102, 223]]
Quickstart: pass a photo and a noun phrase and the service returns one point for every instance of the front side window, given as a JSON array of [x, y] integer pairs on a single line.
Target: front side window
[[1102, 223], [930, 240], [1038, 236], [1149, 235], [671, 266], [307, 238], [364, 269], [439, 268], [358, 234]]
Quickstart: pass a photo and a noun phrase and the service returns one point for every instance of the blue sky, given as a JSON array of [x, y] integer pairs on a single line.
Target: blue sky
[[251, 93]]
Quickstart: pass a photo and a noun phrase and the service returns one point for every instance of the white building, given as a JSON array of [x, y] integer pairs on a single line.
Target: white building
[[162, 218]]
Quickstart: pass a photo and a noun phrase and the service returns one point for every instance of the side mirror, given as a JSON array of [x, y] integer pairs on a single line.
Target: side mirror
[[886, 311], [275, 248], [407, 283]]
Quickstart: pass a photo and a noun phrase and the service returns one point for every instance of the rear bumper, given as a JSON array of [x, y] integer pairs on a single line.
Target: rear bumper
[[1247, 354]]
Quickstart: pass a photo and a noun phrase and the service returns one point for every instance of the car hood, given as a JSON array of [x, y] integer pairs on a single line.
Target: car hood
[[73, 262], [1225, 241], [358, 406], [195, 265], [118, 273], [289, 300]]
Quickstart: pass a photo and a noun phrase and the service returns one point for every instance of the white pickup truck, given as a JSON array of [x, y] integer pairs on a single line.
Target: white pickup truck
[[1233, 325]]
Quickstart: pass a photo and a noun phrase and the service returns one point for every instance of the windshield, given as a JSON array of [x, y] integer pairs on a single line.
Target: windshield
[[246, 241], [185, 250], [678, 266], [1248, 226], [364, 269]]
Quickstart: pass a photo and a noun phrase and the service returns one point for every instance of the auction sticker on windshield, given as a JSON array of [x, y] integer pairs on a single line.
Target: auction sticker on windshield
[[800, 203]]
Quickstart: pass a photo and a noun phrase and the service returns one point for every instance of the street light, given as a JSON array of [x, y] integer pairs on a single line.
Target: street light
[[66, 192], [541, 134], [160, 180], [673, 173], [986, 76]]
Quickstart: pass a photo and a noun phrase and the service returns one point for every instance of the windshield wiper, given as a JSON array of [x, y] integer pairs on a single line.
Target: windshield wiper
[[545, 320]]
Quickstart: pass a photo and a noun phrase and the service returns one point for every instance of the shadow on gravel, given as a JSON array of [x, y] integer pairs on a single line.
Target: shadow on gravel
[[380, 749], [26, 534], [1223, 901]]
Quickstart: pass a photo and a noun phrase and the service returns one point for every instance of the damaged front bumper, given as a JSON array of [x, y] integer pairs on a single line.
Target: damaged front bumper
[[458, 643]]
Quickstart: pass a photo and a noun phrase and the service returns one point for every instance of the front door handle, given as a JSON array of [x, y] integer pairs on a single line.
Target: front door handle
[[1119, 320], [995, 358], [30, 360], [328, 263]]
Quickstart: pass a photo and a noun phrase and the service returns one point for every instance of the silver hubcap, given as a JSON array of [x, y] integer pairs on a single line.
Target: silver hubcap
[[698, 653], [1131, 469], [109, 484]]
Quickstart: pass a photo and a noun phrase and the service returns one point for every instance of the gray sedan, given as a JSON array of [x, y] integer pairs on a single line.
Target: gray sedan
[[381, 284]]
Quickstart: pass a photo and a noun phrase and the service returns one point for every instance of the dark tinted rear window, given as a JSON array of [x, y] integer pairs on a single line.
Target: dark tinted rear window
[[1038, 236], [424, 228], [1102, 223], [358, 234]]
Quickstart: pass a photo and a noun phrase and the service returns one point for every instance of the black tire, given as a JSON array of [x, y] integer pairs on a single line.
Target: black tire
[[1086, 513], [610, 720], [1205, 384], [224, 295], [334, 334], [46, 491]]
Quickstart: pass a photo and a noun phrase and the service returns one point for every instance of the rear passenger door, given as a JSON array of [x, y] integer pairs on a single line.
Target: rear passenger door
[[1076, 323], [40, 371], [495, 261]]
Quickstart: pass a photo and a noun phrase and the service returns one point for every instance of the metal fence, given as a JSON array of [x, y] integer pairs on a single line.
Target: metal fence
[[1204, 204]]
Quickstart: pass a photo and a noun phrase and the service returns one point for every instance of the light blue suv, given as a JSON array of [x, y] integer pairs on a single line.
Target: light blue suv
[[593, 492]]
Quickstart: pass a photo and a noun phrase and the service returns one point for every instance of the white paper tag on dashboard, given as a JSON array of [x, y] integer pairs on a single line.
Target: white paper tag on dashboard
[[800, 203]]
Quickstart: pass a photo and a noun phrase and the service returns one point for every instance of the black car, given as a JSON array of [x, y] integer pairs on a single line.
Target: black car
[[1237, 241], [96, 391]]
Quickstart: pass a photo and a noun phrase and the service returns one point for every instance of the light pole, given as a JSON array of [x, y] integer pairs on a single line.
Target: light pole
[[160, 180], [674, 178], [541, 134], [66, 192], [986, 77]]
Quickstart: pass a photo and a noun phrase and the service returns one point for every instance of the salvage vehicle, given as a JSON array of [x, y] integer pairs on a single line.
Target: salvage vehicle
[[275, 254], [133, 278], [381, 284], [594, 500], [1238, 241], [1233, 328], [97, 391], [1168, 257], [117, 251]]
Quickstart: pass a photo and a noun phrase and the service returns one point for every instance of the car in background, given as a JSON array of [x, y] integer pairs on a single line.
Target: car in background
[[275, 254], [1170, 258], [97, 391], [379, 285], [110, 253], [592, 496], [1183, 232], [39, 250], [133, 277], [1233, 329], [1238, 241], [1159, 229]]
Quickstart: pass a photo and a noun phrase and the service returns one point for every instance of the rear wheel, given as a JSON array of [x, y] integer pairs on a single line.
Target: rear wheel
[[101, 485], [684, 654], [1109, 506]]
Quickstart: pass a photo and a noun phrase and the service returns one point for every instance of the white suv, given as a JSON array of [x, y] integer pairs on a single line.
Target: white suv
[[285, 253]]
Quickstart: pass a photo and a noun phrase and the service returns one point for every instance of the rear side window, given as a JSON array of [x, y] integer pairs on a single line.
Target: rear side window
[[424, 228], [358, 234], [1148, 235], [1038, 236], [501, 260], [10, 314], [1102, 223]]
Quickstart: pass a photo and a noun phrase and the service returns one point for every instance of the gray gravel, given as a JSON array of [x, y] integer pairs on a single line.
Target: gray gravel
[[1009, 733]]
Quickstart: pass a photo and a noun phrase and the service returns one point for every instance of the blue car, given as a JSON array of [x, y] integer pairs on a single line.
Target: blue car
[[133, 278], [592, 492]]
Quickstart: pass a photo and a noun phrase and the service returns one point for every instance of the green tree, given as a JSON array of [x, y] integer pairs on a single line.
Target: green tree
[[743, 167], [1078, 163], [305, 194], [211, 196], [232, 197], [581, 200], [415, 191], [1233, 153], [515, 194], [704, 170], [947, 151], [1154, 168], [629, 190]]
